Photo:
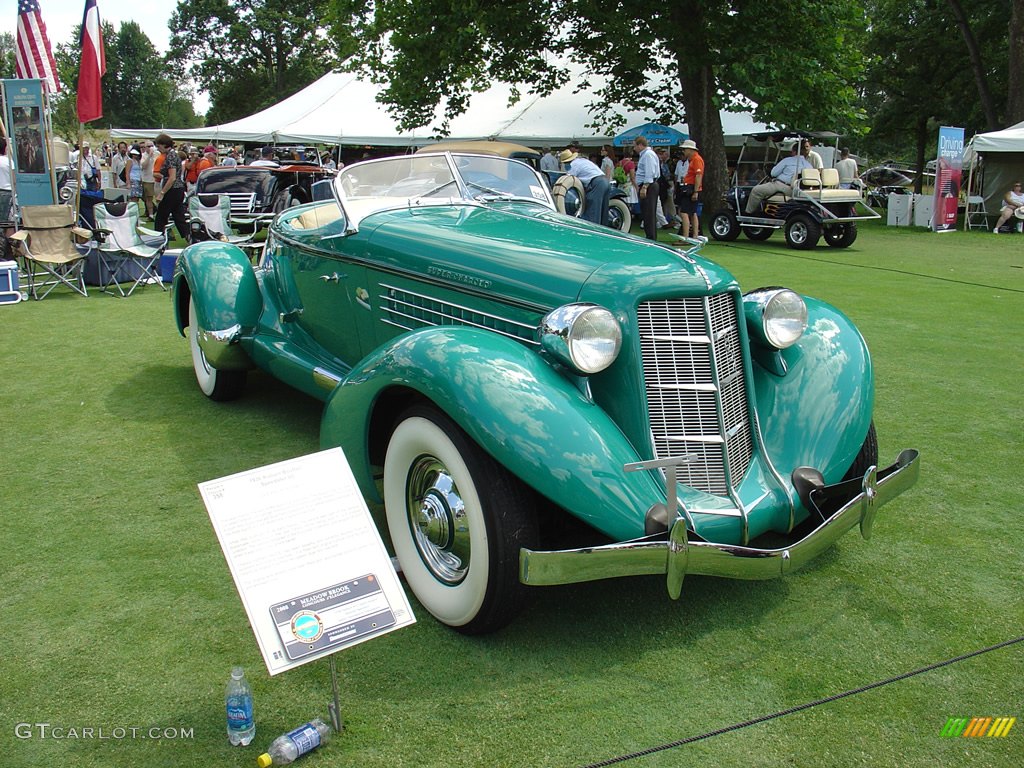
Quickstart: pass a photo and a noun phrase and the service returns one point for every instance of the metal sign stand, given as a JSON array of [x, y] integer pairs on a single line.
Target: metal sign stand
[[334, 707]]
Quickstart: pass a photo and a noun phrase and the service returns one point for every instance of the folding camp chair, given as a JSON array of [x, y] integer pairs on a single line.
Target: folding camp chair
[[210, 219], [977, 216], [46, 244], [125, 257]]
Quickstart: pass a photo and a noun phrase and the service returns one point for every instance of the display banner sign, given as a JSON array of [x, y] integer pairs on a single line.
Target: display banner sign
[[948, 174], [306, 557], [26, 123]]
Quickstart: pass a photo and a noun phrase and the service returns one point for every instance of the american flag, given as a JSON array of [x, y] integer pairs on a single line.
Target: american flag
[[34, 59]]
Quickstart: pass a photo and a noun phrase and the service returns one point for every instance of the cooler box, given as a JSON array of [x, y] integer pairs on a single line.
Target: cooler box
[[924, 208], [96, 273], [10, 293], [900, 210], [167, 261]]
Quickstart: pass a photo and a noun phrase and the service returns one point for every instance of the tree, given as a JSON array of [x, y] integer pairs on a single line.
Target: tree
[[248, 54], [1015, 66], [921, 74], [7, 63], [977, 64], [139, 90], [792, 63]]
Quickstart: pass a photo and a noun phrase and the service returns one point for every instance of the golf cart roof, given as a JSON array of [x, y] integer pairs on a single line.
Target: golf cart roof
[[782, 135]]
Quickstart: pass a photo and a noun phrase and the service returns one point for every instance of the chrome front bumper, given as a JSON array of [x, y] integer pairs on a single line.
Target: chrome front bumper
[[840, 507]]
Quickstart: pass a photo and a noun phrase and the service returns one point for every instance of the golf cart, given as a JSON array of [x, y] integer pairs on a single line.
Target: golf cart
[[816, 207]]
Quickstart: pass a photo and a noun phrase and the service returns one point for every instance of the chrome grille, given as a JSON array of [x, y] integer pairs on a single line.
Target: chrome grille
[[409, 310], [696, 389]]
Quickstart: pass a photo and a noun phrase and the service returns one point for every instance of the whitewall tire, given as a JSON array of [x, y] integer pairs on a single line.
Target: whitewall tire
[[457, 520], [215, 384]]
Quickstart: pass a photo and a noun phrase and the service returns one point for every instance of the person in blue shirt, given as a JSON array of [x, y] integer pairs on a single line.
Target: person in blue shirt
[[595, 185], [781, 179], [548, 161], [648, 169]]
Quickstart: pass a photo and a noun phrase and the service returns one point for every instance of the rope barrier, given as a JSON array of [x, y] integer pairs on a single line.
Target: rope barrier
[[801, 707]]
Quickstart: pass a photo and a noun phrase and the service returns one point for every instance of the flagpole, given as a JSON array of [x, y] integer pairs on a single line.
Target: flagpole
[[78, 190], [49, 143]]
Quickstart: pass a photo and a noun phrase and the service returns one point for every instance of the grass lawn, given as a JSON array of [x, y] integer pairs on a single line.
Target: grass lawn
[[119, 610]]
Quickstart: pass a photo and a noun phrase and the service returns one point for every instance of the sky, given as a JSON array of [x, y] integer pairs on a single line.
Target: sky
[[61, 17]]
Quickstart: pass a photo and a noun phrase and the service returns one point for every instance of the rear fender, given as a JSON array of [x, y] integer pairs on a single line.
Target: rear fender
[[513, 404]]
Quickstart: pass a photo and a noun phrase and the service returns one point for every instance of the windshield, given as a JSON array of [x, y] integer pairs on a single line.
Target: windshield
[[436, 179]]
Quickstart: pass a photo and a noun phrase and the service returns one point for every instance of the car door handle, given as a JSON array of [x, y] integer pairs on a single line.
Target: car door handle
[[331, 278]]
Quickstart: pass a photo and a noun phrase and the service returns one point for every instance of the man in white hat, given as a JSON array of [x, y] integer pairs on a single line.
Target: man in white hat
[[595, 185], [693, 184]]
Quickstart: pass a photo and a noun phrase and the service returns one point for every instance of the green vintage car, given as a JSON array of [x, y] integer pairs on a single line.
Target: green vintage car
[[503, 378]]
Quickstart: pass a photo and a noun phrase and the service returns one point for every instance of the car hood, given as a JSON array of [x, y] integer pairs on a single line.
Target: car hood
[[531, 254]]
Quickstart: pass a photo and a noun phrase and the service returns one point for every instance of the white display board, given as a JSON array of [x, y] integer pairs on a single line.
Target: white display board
[[306, 557]]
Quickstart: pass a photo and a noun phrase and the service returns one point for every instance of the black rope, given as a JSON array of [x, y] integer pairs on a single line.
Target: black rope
[[801, 707], [790, 254]]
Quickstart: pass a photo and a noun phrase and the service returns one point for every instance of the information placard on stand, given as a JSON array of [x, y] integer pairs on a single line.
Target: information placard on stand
[[306, 558]]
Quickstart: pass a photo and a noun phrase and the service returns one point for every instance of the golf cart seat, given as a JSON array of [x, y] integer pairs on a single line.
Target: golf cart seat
[[831, 191], [779, 197], [808, 183]]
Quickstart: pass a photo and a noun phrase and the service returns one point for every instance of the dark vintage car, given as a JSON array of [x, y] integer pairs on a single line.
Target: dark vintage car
[[502, 376], [260, 193]]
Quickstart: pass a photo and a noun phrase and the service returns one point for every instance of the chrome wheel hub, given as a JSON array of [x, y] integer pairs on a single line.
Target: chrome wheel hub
[[437, 520]]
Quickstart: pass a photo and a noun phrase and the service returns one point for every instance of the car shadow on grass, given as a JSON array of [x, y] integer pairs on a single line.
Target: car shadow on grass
[[269, 422]]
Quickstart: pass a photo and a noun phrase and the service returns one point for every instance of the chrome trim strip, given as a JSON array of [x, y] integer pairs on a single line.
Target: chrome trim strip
[[325, 379], [406, 291], [678, 556], [445, 310]]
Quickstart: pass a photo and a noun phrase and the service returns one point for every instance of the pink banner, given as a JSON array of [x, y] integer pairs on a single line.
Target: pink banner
[[948, 174]]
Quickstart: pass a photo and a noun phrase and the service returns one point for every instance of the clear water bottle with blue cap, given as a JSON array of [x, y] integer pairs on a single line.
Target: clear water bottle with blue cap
[[238, 702], [290, 746]]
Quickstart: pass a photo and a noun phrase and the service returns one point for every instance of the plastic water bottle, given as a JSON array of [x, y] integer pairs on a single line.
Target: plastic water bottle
[[294, 744], [238, 701]]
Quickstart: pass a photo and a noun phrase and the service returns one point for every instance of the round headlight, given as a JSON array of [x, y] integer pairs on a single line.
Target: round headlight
[[584, 337], [784, 318]]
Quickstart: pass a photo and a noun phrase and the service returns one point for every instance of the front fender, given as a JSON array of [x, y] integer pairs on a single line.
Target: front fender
[[513, 404], [219, 278], [815, 406]]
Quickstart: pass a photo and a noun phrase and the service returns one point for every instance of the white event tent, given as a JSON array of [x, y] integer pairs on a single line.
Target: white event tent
[[998, 158], [342, 108]]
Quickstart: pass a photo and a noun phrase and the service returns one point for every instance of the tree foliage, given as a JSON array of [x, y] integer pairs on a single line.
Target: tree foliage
[[139, 91], [7, 63], [795, 65], [922, 74], [248, 54]]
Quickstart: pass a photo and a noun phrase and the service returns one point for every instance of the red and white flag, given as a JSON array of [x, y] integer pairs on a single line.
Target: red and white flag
[[93, 66], [33, 57]]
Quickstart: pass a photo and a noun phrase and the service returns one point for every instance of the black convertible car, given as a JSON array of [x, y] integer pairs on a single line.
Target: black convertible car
[[260, 193]]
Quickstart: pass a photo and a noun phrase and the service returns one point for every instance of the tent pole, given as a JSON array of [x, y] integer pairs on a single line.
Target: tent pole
[[970, 186]]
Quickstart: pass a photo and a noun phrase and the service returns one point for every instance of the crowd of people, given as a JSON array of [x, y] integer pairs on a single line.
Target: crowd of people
[[664, 189], [157, 174]]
